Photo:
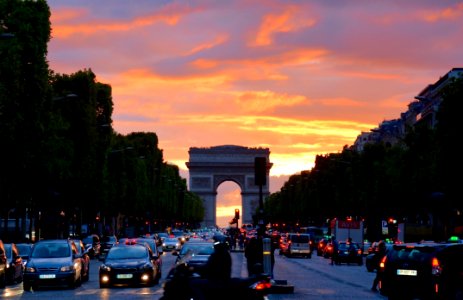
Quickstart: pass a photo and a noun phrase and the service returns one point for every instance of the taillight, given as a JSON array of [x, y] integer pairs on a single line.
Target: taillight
[[382, 263], [436, 267], [359, 251], [261, 285]]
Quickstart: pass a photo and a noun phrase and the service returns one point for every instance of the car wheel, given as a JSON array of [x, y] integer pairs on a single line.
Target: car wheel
[[3, 281], [26, 287], [20, 278]]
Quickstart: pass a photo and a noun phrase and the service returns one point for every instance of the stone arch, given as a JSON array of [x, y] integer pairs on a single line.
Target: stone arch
[[210, 167]]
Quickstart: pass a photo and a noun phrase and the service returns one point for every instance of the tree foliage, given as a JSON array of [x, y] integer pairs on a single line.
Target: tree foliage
[[408, 181], [61, 159]]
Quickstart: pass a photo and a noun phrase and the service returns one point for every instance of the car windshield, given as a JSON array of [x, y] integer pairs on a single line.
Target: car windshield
[[346, 246], [24, 250], [49, 250], [129, 252], [8, 250], [418, 254], [108, 239], [300, 239], [88, 240], [199, 249], [150, 243]]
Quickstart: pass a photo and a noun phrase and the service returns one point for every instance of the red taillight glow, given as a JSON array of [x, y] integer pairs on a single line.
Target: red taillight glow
[[382, 263], [262, 285], [436, 267]]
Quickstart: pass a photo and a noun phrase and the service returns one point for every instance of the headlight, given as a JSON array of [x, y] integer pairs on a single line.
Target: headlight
[[67, 268], [30, 269], [105, 268]]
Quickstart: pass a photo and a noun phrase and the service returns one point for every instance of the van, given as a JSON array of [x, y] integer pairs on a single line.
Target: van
[[299, 245]]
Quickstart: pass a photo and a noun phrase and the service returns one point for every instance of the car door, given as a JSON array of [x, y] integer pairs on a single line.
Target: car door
[[17, 263]]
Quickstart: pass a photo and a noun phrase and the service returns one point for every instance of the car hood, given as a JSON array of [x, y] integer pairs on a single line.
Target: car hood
[[49, 262], [125, 263]]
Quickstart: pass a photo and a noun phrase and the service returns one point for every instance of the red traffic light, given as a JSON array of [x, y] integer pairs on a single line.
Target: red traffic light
[[237, 213]]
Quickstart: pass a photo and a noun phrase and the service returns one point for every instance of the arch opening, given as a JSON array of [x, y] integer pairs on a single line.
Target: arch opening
[[228, 199]]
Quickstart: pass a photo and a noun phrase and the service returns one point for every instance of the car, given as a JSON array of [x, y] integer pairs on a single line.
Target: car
[[169, 244], [371, 259], [321, 246], [3, 262], [92, 244], [151, 242], [24, 251], [299, 244], [283, 245], [53, 262], [328, 250], [14, 266], [349, 252], [85, 259], [128, 265], [422, 270], [106, 242], [195, 255]]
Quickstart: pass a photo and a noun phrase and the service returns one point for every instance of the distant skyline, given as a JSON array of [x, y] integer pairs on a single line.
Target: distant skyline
[[301, 78]]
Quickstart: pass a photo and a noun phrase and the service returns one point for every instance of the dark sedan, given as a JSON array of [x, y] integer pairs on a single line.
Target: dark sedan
[[321, 246], [128, 265], [14, 266], [195, 255], [53, 263], [151, 242], [106, 243], [349, 253]]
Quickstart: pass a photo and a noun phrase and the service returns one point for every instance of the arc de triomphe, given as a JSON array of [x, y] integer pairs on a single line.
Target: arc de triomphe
[[209, 167]]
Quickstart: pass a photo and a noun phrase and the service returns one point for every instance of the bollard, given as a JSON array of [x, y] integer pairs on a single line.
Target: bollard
[[267, 248]]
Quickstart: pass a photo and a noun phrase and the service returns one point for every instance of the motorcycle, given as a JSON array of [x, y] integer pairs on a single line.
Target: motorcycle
[[182, 283]]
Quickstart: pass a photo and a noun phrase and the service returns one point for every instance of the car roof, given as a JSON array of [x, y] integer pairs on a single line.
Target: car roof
[[54, 241]]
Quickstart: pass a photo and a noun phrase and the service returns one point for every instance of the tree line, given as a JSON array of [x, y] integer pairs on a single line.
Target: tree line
[[62, 164], [416, 181]]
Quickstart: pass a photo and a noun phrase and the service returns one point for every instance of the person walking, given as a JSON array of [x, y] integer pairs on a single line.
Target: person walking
[[334, 255], [379, 255]]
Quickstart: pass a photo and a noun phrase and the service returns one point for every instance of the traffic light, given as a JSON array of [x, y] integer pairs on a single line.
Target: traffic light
[[260, 170], [237, 214]]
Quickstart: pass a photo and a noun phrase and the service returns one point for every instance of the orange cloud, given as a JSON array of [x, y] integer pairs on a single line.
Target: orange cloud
[[449, 13], [340, 102], [266, 101], [220, 39], [170, 14], [286, 22]]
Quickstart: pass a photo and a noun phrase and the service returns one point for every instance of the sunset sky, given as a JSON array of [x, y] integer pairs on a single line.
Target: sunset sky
[[299, 77]]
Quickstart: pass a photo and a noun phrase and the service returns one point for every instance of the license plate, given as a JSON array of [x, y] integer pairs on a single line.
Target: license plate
[[124, 276], [407, 272], [47, 276]]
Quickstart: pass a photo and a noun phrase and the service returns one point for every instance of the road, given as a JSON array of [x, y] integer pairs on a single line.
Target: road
[[312, 279]]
